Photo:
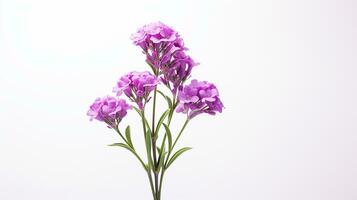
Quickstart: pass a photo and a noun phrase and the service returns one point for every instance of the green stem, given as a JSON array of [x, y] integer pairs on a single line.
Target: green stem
[[153, 141], [151, 185], [148, 157]]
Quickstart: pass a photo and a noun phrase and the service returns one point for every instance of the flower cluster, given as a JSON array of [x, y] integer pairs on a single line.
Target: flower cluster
[[199, 97], [109, 110], [165, 53], [178, 71], [136, 86]]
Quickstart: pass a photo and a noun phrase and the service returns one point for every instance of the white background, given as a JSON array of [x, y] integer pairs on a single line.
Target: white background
[[286, 71]]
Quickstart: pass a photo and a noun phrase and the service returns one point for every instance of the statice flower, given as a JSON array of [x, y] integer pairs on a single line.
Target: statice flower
[[165, 53], [159, 42], [199, 97], [109, 110], [136, 86], [179, 70]]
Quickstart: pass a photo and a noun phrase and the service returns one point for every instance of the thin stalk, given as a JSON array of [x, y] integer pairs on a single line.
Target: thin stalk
[[174, 104], [151, 185], [153, 140], [148, 157]]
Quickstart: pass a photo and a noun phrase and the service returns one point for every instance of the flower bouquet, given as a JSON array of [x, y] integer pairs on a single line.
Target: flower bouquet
[[171, 67]]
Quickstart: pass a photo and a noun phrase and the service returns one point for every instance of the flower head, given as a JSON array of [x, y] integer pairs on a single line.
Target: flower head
[[199, 97], [109, 110], [137, 86], [158, 42], [178, 71], [165, 53]]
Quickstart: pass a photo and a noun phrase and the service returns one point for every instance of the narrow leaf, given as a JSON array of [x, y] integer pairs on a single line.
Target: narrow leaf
[[159, 150], [132, 151], [161, 120], [128, 136], [148, 141], [124, 146], [169, 136], [161, 160], [137, 110], [119, 145], [148, 148], [176, 155], [146, 121]]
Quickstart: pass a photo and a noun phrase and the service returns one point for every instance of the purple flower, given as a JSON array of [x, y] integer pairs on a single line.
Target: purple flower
[[159, 42], [199, 97], [178, 71], [165, 53], [109, 110], [137, 86]]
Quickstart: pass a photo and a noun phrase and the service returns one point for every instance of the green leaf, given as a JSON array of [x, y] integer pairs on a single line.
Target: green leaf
[[162, 144], [148, 141], [132, 151], [128, 136], [124, 146], [148, 148], [176, 155], [137, 110], [146, 121], [161, 120], [161, 160], [119, 144], [158, 150], [169, 136], [168, 99]]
